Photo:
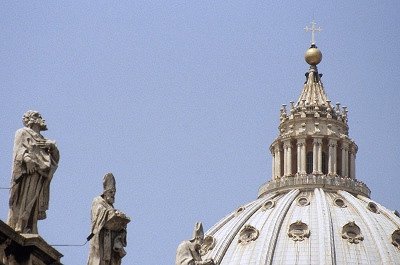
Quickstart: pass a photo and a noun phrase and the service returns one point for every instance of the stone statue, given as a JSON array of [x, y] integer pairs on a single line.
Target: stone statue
[[108, 234], [35, 160], [188, 252]]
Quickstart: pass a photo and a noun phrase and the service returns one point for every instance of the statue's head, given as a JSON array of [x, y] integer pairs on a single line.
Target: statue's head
[[109, 188], [33, 118], [198, 235]]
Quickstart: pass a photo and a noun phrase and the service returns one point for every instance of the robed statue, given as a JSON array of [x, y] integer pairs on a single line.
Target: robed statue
[[188, 252], [35, 160], [108, 233]]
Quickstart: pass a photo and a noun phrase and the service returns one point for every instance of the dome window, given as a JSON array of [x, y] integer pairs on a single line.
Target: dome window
[[268, 205], [249, 233], [340, 203], [372, 207], [298, 231], [208, 244], [352, 233], [239, 211], [303, 201]]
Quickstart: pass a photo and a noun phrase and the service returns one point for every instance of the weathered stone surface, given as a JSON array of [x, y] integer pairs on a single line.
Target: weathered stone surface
[[108, 233], [35, 160], [18, 248], [188, 252]]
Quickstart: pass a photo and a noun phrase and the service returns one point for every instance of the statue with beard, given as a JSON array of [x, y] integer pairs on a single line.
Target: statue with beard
[[35, 160], [108, 233]]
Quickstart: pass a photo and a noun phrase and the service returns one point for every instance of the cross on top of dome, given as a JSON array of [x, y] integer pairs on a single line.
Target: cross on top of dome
[[313, 29]]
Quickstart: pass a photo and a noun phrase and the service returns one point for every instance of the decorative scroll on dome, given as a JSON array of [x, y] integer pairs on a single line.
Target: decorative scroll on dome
[[208, 244], [396, 239], [247, 234], [298, 231], [352, 233]]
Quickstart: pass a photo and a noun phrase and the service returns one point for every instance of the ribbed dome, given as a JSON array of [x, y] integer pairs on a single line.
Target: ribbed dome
[[306, 227], [313, 210]]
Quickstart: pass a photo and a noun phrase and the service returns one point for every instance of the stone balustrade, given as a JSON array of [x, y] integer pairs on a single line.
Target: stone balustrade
[[309, 182]]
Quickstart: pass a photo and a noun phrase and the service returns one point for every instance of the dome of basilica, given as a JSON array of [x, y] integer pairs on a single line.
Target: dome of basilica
[[313, 210]]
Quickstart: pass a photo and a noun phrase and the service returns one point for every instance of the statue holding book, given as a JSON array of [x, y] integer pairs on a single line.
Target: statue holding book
[[108, 233]]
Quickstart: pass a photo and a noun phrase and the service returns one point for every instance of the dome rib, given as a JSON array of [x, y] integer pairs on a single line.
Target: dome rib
[[326, 251], [220, 250], [283, 209], [384, 228], [390, 215], [220, 224], [323, 218]]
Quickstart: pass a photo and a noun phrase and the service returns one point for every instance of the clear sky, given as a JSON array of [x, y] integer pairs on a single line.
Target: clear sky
[[180, 100]]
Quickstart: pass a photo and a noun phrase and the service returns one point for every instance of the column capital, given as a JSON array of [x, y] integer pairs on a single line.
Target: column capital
[[332, 143], [317, 140], [353, 150], [301, 141], [345, 145], [277, 148], [345, 141], [287, 143]]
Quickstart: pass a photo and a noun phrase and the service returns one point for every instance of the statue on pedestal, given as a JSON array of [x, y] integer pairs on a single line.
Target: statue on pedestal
[[108, 233], [188, 252], [35, 160]]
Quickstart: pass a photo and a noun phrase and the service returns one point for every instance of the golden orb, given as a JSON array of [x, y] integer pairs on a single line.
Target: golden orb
[[313, 56]]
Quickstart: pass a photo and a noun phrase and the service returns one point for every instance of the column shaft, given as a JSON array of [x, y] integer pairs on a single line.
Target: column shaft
[[284, 160], [289, 160], [332, 157], [319, 156], [298, 157], [315, 158], [303, 158], [273, 164], [278, 161], [345, 160]]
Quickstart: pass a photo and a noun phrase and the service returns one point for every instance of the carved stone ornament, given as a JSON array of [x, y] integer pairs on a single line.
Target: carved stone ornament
[[340, 203], [3, 246], [248, 234], [268, 205], [35, 162], [303, 201], [372, 207], [298, 231], [396, 239], [208, 244], [352, 233]]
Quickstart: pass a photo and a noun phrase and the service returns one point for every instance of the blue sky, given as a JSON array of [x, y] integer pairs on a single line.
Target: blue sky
[[180, 100]]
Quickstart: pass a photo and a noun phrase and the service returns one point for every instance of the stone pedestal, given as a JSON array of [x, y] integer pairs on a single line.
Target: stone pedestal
[[25, 249]]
